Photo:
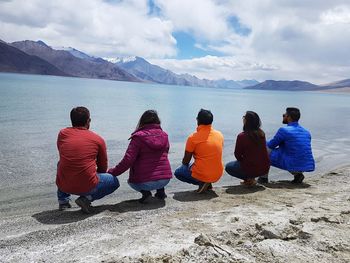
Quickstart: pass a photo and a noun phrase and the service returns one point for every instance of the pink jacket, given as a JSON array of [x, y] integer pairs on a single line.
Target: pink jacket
[[146, 156]]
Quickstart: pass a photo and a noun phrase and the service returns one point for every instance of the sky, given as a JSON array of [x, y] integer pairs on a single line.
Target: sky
[[232, 39]]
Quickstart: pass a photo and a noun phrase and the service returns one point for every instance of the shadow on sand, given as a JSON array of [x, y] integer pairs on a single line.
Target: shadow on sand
[[286, 185], [243, 190], [190, 196], [72, 215]]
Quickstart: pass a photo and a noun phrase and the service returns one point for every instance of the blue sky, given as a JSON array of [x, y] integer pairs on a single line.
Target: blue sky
[[232, 39]]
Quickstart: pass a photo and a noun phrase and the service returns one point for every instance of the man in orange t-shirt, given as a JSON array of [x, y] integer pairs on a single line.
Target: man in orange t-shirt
[[205, 145]]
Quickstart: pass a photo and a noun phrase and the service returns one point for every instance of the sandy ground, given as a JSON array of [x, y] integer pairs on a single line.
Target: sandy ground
[[277, 222]]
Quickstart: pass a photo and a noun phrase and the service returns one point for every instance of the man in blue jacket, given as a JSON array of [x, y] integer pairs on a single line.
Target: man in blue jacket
[[290, 148]]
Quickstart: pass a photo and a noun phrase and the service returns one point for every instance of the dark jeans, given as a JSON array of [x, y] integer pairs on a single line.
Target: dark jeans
[[107, 184], [234, 169], [184, 174]]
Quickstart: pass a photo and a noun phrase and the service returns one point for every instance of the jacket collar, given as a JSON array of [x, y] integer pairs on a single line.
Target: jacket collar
[[294, 123], [147, 127], [204, 127]]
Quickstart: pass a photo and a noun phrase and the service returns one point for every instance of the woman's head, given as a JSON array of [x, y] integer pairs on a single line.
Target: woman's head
[[148, 117], [251, 121], [251, 126]]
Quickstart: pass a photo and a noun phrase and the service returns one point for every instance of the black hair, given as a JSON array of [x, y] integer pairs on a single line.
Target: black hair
[[205, 117], [79, 116], [252, 127], [294, 113], [148, 117]]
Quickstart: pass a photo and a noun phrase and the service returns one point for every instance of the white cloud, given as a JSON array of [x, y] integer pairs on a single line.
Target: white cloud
[[289, 39], [95, 27]]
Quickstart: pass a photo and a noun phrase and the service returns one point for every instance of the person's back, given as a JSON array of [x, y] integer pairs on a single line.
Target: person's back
[[294, 154], [82, 166], [80, 151], [147, 158], [205, 146], [291, 147], [252, 159]]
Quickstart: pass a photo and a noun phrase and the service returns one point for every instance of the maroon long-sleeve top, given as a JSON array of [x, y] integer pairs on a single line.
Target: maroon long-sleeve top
[[253, 157]]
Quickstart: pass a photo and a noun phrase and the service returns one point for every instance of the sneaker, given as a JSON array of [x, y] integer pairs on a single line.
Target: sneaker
[[62, 207], [263, 180], [249, 182], [145, 196], [160, 194], [203, 187], [298, 178], [84, 204]]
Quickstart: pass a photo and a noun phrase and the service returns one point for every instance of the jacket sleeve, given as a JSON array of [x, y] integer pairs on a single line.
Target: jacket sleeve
[[128, 159], [277, 140], [239, 149], [102, 160]]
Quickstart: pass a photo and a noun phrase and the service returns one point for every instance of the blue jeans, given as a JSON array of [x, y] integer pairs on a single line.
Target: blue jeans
[[184, 174], [234, 169], [149, 186], [107, 184]]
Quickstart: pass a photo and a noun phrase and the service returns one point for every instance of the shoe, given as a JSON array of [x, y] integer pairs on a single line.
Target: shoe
[[160, 194], [62, 207], [210, 187], [203, 187], [145, 196], [298, 178], [84, 204], [263, 180], [249, 182]]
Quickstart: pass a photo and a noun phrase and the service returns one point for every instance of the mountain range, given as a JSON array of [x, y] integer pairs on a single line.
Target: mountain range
[[36, 57], [72, 62], [297, 85], [16, 61]]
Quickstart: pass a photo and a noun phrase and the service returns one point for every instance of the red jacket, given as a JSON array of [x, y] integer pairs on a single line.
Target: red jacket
[[146, 156], [82, 154], [253, 158]]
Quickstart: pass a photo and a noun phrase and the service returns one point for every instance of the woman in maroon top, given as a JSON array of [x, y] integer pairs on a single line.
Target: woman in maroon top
[[250, 151]]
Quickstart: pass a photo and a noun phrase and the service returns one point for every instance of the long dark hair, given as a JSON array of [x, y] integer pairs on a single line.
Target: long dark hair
[[148, 117], [252, 127]]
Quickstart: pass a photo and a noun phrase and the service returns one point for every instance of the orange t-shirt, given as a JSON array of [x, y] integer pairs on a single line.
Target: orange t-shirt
[[206, 145]]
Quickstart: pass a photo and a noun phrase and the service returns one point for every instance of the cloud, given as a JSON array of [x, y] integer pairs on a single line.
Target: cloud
[[96, 27], [263, 39]]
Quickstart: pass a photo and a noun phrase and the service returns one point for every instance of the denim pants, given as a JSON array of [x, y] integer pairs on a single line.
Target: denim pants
[[184, 174], [149, 186], [107, 184], [234, 169]]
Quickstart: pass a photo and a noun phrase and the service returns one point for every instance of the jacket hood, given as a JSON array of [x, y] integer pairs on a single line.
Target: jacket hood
[[153, 136]]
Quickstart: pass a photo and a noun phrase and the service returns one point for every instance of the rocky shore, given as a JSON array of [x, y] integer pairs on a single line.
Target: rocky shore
[[276, 222]]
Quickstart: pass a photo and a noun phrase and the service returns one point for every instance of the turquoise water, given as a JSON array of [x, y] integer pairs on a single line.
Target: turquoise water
[[34, 108]]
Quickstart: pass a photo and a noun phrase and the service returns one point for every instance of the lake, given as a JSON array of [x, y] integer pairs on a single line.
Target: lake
[[34, 108]]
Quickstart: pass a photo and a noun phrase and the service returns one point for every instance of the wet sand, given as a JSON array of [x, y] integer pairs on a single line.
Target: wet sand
[[277, 222]]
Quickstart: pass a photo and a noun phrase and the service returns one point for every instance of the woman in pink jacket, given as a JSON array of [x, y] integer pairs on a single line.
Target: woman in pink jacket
[[147, 158]]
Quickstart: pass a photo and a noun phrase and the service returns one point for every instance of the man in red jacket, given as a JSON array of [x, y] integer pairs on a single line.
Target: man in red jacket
[[83, 163]]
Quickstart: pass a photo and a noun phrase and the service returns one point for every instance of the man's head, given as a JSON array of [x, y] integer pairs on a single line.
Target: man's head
[[291, 115], [204, 117], [80, 117]]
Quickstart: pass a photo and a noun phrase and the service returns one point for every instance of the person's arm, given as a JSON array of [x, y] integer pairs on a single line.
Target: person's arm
[[277, 140], [187, 158], [101, 159], [239, 149], [128, 159], [189, 149]]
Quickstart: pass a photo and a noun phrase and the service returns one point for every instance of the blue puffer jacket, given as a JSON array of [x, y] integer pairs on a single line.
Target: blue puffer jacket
[[291, 149]]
